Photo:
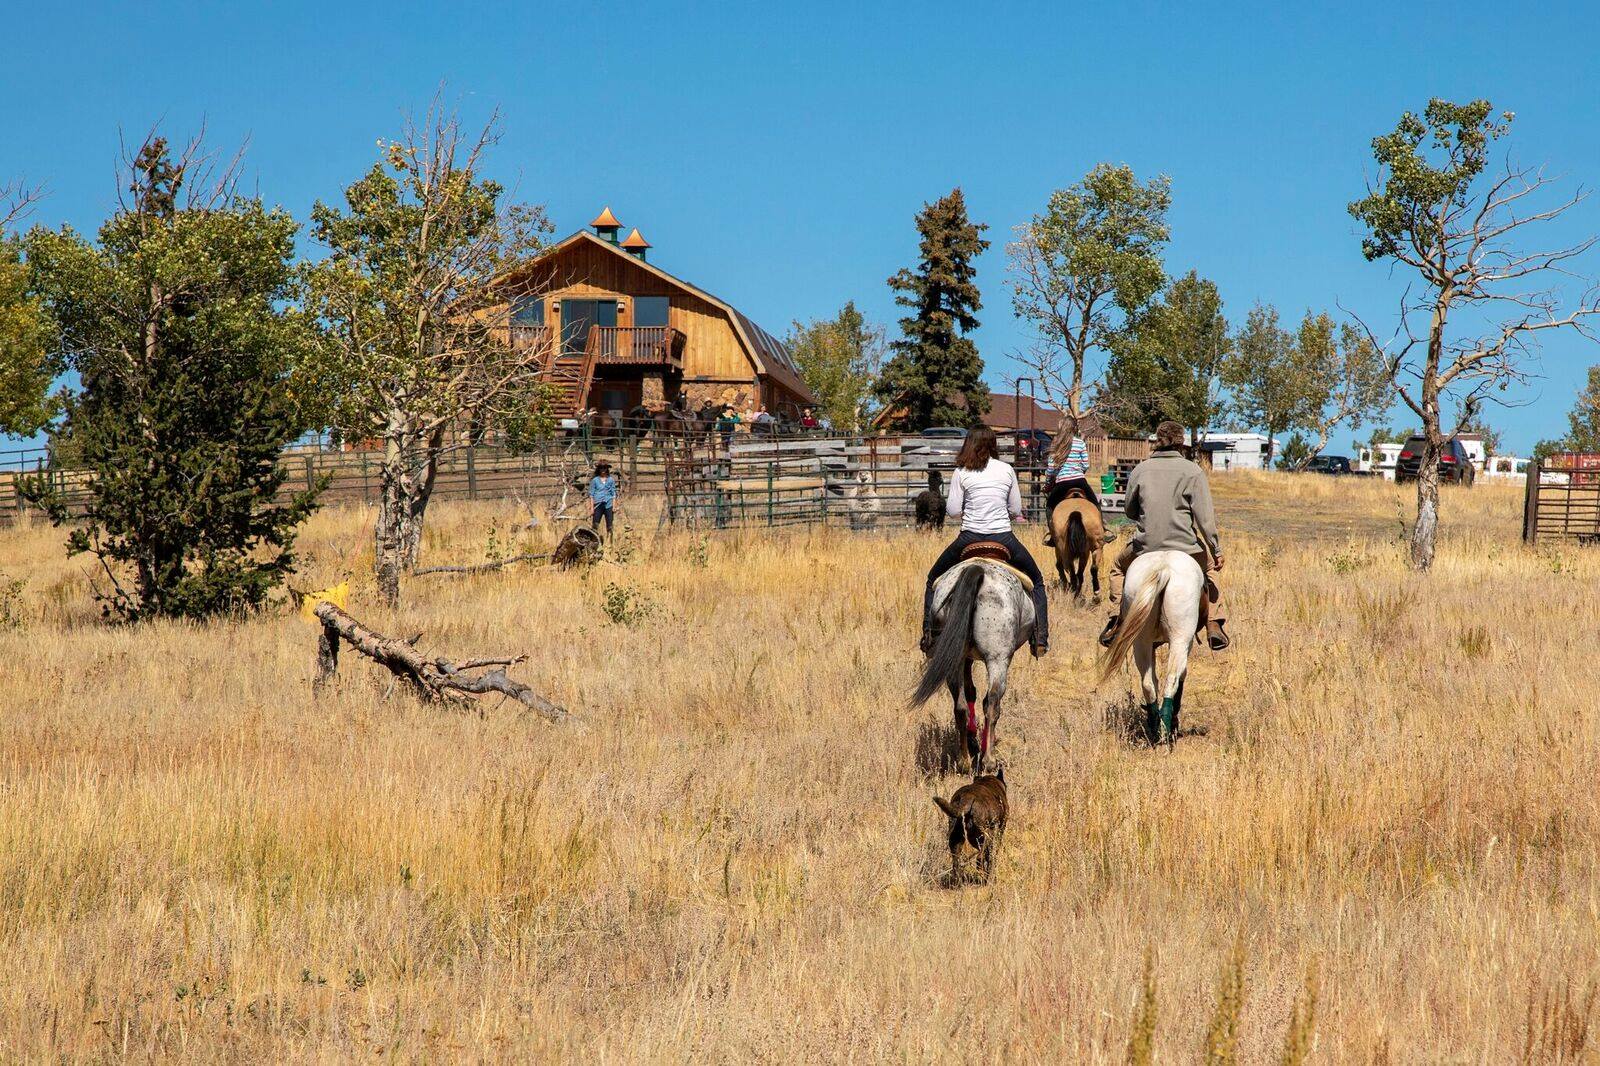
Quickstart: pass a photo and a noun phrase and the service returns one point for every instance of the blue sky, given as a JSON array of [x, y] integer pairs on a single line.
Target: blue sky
[[777, 157]]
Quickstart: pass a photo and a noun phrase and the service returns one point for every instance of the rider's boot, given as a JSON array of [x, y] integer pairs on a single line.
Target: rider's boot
[[1109, 633], [1038, 640], [1167, 726], [1216, 639]]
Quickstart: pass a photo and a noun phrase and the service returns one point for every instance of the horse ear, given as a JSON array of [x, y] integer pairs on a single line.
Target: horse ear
[[1000, 773]]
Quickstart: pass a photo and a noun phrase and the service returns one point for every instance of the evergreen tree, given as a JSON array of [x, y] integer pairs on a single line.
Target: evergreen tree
[[174, 322], [935, 371]]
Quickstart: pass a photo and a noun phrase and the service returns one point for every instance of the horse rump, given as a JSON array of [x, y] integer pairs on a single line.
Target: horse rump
[[1139, 612], [947, 662], [1077, 535]]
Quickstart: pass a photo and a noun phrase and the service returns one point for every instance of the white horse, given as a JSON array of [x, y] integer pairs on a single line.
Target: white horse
[[984, 611], [1160, 605]]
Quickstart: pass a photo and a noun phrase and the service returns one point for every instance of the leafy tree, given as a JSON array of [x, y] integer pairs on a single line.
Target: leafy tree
[[1086, 268], [414, 347], [1169, 364], [1584, 418], [1429, 212], [1546, 448], [1386, 435], [29, 363], [1345, 376], [1266, 375], [174, 322], [839, 358], [935, 371]]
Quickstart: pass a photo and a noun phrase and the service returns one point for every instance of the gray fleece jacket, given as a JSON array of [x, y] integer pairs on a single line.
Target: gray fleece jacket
[[1169, 498]]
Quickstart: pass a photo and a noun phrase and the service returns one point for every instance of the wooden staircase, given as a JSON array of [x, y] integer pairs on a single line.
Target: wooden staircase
[[569, 376]]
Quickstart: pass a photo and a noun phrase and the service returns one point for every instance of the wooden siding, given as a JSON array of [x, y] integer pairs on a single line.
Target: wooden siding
[[712, 350]]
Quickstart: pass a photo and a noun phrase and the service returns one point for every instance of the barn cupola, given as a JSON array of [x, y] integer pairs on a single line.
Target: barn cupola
[[636, 245], [606, 226]]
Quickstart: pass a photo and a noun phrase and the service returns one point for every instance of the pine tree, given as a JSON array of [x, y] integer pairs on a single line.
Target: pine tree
[[174, 323], [935, 371]]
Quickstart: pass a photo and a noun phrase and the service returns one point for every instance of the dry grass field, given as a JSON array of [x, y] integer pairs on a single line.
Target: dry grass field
[[1392, 800]]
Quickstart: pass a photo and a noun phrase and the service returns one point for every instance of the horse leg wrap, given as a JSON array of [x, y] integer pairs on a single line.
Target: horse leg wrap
[[1169, 720], [1151, 721]]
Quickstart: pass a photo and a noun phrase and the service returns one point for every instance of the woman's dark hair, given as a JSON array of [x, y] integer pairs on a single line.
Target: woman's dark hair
[[602, 469], [979, 447]]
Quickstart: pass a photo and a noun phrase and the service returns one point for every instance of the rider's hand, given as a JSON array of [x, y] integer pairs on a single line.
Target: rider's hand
[[1020, 519], [1216, 562]]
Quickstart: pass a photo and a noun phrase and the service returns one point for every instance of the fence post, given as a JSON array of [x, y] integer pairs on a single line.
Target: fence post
[[1530, 504], [366, 491], [472, 471], [311, 474]]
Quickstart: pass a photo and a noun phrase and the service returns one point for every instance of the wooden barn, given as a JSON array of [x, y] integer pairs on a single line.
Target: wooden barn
[[623, 332]]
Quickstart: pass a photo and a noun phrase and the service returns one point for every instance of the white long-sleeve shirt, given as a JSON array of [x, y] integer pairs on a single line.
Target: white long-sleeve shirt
[[985, 500]]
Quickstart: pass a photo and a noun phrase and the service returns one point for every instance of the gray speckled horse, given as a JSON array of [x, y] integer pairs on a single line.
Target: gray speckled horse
[[984, 612]]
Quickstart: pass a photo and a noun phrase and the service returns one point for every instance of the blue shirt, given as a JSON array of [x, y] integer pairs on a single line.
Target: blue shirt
[[603, 489]]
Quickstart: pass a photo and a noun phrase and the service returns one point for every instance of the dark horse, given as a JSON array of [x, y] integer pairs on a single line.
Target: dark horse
[[929, 503]]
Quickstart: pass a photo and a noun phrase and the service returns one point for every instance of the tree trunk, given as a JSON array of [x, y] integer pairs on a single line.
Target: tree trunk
[[406, 485], [1425, 533]]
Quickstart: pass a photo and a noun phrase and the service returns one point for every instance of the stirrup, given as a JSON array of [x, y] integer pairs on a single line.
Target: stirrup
[[1109, 633], [1218, 641]]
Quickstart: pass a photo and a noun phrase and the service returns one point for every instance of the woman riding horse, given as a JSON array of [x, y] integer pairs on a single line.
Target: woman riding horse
[[1068, 470], [985, 495]]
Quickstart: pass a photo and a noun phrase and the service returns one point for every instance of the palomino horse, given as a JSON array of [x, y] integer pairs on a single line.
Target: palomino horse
[[984, 612], [1161, 606], [1079, 534]]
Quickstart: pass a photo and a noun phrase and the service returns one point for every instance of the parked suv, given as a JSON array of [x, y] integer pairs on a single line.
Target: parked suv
[[1330, 464], [1455, 465]]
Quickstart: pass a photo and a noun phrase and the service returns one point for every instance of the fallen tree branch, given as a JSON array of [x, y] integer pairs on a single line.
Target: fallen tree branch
[[433, 680], [480, 568]]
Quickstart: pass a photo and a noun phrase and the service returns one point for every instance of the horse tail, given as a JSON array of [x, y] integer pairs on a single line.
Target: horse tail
[[949, 656], [1138, 615], [1077, 536]]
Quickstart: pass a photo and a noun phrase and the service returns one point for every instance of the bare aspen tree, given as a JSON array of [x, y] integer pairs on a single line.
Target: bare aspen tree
[[1478, 301]]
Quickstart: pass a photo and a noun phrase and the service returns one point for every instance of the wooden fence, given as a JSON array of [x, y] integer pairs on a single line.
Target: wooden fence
[[1562, 499], [759, 480]]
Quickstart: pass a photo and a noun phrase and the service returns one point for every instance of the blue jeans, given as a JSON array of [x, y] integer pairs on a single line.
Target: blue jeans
[[602, 510]]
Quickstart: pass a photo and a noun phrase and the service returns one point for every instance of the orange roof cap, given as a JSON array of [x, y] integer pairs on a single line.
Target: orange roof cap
[[635, 240], [607, 220]]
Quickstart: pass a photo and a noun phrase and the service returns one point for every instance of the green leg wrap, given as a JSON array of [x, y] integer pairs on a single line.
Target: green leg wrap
[[1169, 720], [1151, 722]]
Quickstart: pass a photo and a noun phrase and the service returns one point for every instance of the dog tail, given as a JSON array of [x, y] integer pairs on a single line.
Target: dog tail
[[950, 650], [1137, 616]]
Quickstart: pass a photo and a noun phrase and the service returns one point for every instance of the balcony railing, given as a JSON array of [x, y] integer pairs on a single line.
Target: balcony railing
[[637, 345]]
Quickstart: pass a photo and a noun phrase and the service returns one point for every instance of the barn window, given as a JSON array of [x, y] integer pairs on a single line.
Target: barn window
[[649, 310], [528, 311]]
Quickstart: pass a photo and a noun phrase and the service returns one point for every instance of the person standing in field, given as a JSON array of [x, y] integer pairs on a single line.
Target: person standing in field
[[1068, 469], [603, 498], [985, 495], [1169, 500]]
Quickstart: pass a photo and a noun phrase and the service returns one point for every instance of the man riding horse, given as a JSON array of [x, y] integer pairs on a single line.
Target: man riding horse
[[1169, 499]]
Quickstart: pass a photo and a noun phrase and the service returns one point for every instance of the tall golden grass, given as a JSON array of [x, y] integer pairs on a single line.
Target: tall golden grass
[[1383, 848]]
